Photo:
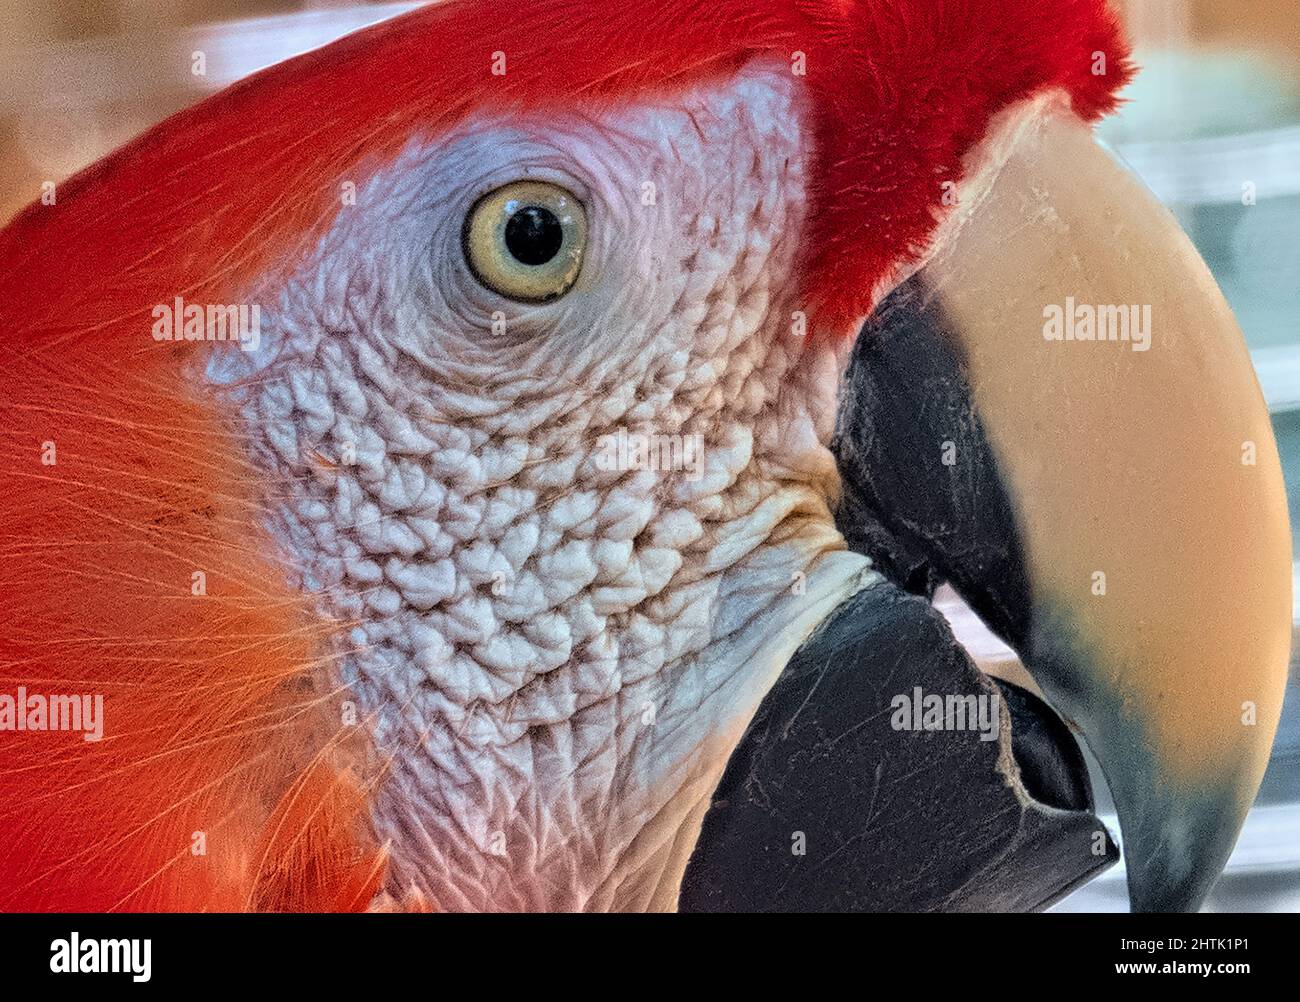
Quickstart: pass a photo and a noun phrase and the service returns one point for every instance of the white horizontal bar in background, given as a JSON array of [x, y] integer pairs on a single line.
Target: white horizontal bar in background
[[1212, 169], [1279, 375]]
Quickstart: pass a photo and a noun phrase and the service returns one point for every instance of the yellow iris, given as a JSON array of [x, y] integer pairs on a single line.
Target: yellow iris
[[526, 240]]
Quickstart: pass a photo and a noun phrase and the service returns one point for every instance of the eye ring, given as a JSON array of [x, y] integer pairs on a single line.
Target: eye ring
[[526, 240]]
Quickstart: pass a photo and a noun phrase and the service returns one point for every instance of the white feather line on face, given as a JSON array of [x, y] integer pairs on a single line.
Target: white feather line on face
[[559, 655]]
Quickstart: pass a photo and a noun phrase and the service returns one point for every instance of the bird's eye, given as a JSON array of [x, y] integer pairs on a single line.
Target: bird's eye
[[526, 240]]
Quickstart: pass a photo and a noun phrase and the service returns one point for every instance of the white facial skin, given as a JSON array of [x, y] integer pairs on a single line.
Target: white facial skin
[[558, 658]]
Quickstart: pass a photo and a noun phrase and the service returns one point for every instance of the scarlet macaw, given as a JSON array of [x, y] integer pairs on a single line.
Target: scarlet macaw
[[392, 604]]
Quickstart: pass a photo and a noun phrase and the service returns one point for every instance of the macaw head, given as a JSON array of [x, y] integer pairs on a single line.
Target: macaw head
[[455, 577]]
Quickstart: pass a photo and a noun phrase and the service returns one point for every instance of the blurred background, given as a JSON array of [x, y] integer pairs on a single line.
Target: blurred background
[[1212, 124]]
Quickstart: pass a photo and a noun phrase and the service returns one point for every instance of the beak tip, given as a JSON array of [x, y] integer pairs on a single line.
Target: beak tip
[[1176, 838]]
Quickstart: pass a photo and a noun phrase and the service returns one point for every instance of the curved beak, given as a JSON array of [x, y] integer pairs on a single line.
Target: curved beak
[[1058, 415]]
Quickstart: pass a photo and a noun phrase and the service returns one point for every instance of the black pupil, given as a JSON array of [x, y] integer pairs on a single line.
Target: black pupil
[[534, 235]]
